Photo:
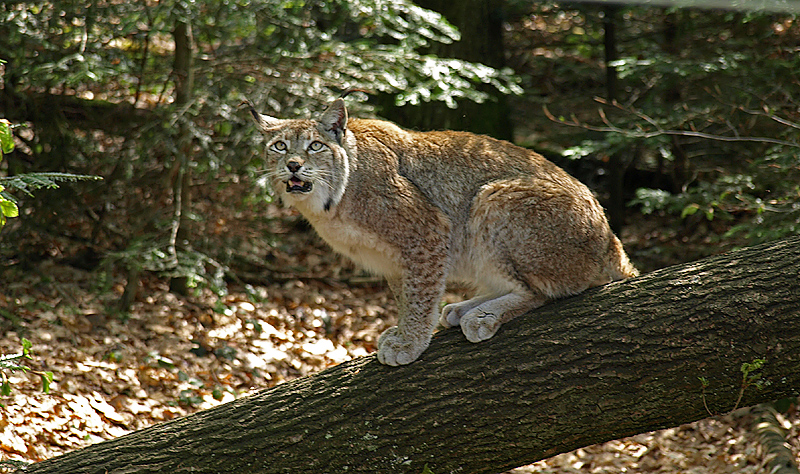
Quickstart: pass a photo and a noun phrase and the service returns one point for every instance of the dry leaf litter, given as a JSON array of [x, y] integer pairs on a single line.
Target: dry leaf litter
[[170, 356]]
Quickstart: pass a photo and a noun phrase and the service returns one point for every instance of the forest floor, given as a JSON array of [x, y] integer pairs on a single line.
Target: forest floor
[[307, 309]]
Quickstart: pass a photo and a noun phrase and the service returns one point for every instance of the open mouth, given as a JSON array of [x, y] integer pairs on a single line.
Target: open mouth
[[296, 185]]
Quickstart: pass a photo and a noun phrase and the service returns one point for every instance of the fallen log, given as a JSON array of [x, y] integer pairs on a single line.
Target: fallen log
[[652, 352]]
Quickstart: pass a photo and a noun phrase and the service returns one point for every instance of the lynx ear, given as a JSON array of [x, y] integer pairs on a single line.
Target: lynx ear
[[264, 122], [334, 120]]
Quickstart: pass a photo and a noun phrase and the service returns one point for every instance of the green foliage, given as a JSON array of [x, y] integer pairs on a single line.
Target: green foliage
[[8, 208], [6, 138], [290, 57], [153, 255], [750, 377], [25, 182], [302, 51], [749, 371], [761, 204], [15, 362], [700, 106], [651, 200], [720, 199], [30, 182]]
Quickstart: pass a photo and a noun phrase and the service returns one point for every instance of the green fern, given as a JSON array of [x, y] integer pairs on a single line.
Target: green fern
[[29, 182]]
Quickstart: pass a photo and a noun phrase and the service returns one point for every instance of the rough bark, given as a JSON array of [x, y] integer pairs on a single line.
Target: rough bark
[[617, 360]]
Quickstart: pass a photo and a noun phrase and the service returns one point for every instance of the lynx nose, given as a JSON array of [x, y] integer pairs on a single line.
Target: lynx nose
[[294, 166]]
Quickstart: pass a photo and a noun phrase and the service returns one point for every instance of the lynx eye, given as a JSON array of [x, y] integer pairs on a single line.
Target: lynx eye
[[316, 146], [279, 146]]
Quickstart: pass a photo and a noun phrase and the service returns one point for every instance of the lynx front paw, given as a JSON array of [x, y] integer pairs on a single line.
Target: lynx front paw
[[393, 349], [478, 325]]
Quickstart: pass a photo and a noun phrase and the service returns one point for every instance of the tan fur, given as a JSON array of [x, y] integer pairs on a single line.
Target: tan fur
[[425, 208]]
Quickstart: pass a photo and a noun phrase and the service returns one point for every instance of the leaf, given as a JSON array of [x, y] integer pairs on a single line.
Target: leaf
[[690, 210], [47, 379], [426, 470], [29, 182], [26, 348], [6, 138], [8, 208], [651, 200]]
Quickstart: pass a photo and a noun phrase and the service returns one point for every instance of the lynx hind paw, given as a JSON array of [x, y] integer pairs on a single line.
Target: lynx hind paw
[[393, 349], [451, 316], [479, 326], [452, 313]]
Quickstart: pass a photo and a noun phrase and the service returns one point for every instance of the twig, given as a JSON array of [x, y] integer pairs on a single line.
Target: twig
[[610, 127], [762, 113]]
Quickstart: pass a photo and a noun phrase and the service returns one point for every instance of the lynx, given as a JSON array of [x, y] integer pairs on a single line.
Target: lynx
[[424, 208]]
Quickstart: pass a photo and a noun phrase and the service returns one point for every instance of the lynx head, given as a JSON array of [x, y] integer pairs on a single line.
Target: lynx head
[[307, 161]]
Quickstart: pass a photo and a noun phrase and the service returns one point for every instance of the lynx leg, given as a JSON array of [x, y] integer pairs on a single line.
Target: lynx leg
[[483, 321], [395, 347], [403, 344], [418, 289]]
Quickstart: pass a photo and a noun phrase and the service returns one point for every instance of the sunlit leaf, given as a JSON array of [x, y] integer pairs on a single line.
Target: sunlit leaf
[[8, 208], [26, 348], [690, 210], [47, 379], [6, 137]]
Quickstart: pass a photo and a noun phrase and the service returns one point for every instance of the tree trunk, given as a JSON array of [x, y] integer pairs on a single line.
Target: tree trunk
[[625, 358], [675, 23], [616, 165]]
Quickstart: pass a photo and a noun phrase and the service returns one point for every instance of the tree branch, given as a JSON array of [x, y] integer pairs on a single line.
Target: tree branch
[[658, 131], [617, 360]]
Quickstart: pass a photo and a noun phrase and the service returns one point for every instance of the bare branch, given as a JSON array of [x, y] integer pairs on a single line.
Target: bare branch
[[611, 128]]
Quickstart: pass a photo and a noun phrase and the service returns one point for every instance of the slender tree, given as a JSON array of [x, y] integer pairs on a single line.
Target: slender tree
[[181, 195]]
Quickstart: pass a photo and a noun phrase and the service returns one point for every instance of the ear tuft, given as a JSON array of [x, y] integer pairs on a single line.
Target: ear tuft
[[264, 122], [334, 120]]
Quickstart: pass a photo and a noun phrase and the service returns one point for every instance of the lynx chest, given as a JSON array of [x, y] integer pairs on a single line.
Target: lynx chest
[[366, 248]]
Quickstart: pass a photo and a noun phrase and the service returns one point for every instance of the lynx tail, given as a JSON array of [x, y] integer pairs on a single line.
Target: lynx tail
[[620, 265]]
